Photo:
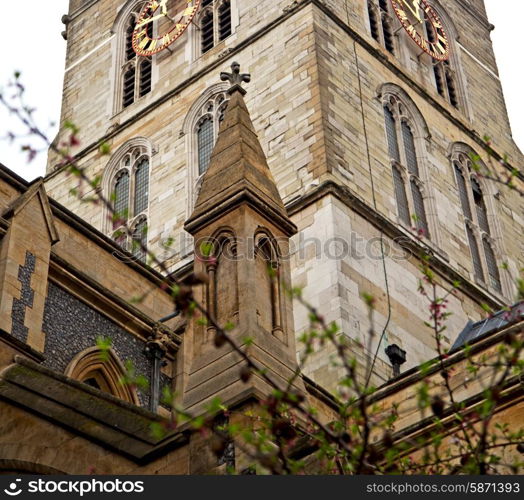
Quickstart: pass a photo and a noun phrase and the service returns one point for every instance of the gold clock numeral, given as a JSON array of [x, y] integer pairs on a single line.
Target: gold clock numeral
[[157, 9], [153, 45], [403, 16], [423, 12], [143, 43], [414, 7]]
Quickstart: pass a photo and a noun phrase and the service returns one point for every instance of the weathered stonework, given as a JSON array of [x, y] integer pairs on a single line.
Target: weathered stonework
[[318, 114], [312, 156]]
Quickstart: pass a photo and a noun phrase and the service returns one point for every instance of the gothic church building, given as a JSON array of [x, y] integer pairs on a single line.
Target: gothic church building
[[352, 153]]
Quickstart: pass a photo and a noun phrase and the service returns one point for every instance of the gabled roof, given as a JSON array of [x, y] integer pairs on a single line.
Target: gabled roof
[[36, 189]]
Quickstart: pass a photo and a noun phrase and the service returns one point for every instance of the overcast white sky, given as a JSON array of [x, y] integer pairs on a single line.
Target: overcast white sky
[[41, 62]]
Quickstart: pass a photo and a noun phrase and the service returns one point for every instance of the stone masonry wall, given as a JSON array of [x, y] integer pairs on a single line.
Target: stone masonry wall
[[314, 103]]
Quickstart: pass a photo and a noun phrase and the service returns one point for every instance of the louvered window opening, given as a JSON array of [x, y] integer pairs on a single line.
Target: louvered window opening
[[387, 32], [129, 87], [481, 237], [463, 193], [400, 194], [205, 144], [121, 204], [412, 172], [373, 22], [141, 186], [391, 133], [409, 148], [137, 78], [131, 199], [145, 77], [207, 32], [444, 80], [139, 242], [224, 20], [215, 23], [420, 210], [130, 53], [491, 263], [475, 254], [480, 206], [450, 82]]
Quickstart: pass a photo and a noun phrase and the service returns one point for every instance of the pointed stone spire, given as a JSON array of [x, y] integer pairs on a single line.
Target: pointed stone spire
[[238, 168], [240, 216]]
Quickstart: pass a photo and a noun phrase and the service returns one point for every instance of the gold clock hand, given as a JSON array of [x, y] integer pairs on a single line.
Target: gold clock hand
[[163, 8], [150, 20]]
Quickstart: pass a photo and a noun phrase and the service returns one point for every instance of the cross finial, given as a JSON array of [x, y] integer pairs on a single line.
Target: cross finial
[[235, 78]]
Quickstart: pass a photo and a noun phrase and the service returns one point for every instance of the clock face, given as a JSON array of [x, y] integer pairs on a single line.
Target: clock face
[[424, 26], [172, 17]]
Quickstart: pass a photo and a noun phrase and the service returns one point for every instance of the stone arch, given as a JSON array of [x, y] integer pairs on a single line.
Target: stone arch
[[269, 286], [418, 121], [222, 270], [460, 155], [130, 7], [417, 192], [105, 369], [455, 56], [115, 164]]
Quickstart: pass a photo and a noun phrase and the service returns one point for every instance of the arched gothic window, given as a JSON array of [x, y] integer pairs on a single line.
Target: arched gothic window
[[102, 371], [407, 180], [380, 23], [130, 195], [478, 231], [205, 140], [136, 71], [215, 23], [200, 129], [445, 77], [206, 131]]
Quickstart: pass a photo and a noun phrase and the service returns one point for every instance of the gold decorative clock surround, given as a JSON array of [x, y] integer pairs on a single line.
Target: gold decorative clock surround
[[179, 13]]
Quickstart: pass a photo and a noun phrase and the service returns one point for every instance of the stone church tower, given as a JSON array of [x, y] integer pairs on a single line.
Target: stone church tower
[[368, 138]]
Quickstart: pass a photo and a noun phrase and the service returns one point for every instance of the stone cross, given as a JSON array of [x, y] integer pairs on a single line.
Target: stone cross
[[235, 78]]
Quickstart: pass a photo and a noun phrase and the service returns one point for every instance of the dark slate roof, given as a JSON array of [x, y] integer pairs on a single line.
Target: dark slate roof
[[495, 322]]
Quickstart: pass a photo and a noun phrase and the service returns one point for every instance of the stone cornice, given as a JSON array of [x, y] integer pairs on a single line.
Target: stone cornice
[[235, 200], [415, 375]]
